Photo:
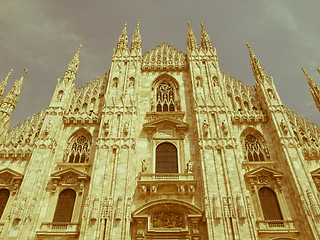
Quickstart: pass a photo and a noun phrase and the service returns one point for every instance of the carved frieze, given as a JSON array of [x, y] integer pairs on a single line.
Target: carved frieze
[[167, 220]]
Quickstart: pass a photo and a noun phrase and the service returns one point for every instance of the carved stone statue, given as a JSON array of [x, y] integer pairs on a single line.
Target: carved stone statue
[[190, 167], [143, 165], [205, 128]]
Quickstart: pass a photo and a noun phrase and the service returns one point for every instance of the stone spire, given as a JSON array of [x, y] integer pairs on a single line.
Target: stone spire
[[314, 89], [9, 102], [71, 72], [136, 41], [257, 69], [123, 41], [3, 84], [191, 40], [205, 40]]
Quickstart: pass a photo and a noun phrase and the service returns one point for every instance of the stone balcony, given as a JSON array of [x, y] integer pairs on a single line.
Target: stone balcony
[[172, 183], [58, 228], [267, 226]]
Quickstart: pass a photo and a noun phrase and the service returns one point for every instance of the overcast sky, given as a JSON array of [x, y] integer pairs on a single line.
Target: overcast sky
[[43, 36]]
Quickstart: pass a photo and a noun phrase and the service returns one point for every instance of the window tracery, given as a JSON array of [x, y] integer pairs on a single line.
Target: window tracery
[[253, 149], [78, 150], [165, 99]]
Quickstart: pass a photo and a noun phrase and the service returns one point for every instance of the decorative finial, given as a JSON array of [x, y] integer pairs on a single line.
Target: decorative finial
[[125, 23], [25, 72], [138, 24], [201, 23], [318, 70], [188, 24], [248, 46], [80, 46], [305, 73]]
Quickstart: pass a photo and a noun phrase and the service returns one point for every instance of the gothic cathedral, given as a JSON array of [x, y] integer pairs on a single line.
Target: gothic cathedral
[[163, 146]]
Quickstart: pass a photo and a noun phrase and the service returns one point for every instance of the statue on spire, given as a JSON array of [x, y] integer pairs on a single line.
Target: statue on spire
[[136, 41], [72, 69], [314, 89], [206, 45], [191, 40]]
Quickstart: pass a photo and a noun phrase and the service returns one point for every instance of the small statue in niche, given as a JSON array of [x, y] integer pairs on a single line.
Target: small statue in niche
[[106, 127], [177, 103], [199, 82], [283, 126], [143, 165], [47, 129], [224, 127], [126, 128], [271, 95], [189, 167], [205, 128], [131, 82], [152, 103], [60, 95], [115, 82]]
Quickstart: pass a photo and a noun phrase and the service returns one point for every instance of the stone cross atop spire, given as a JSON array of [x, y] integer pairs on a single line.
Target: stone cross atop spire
[[136, 40], [257, 69], [123, 40], [205, 40], [191, 40], [314, 89], [3, 84], [72, 69]]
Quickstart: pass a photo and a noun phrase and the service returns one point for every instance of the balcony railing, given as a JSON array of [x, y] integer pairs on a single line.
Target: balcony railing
[[166, 176], [276, 226], [58, 228], [152, 183]]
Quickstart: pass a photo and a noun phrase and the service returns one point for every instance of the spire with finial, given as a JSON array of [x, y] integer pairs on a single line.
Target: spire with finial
[[257, 69], [205, 40], [123, 40], [9, 102], [3, 84], [71, 72], [314, 89], [136, 40], [191, 40]]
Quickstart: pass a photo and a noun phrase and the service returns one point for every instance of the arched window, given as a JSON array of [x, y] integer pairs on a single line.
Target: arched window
[[166, 158], [253, 149], [4, 196], [65, 206], [78, 150], [165, 98], [269, 204]]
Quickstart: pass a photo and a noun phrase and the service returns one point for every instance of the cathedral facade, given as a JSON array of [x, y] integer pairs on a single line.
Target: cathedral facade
[[163, 146]]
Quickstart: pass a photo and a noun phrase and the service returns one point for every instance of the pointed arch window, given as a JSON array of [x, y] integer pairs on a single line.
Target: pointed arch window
[[253, 149], [4, 196], [65, 206], [269, 204], [78, 150], [166, 158], [165, 99]]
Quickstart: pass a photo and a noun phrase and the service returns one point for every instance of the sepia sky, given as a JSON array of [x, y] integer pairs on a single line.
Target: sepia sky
[[43, 36]]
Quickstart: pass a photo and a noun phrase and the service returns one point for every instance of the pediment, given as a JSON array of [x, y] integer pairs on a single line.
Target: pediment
[[70, 172], [166, 121], [263, 171], [10, 173], [315, 173]]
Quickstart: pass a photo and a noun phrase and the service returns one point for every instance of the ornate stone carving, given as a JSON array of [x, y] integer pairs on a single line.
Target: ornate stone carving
[[95, 209], [240, 207], [189, 167], [216, 207], [167, 220], [205, 128], [118, 211], [144, 165]]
